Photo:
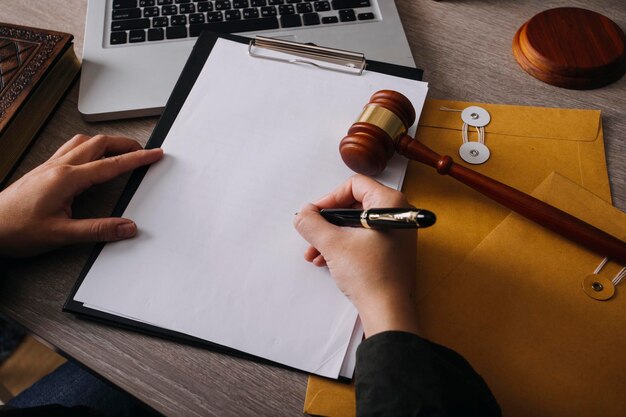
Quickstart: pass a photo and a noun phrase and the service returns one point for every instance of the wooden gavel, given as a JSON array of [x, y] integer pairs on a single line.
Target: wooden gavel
[[382, 128]]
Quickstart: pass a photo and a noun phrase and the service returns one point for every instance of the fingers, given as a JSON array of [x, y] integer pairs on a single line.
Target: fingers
[[314, 256], [373, 194], [96, 230], [342, 196], [98, 147], [313, 227], [311, 253], [364, 190], [319, 261], [106, 169], [359, 189], [69, 145]]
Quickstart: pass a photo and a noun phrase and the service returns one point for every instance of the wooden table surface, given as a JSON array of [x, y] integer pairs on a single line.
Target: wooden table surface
[[465, 49]]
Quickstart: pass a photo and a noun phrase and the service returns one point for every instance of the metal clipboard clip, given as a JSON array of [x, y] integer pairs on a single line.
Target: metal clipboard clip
[[340, 60]]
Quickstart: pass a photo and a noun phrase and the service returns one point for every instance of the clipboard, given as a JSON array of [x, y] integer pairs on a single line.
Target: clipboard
[[343, 60]]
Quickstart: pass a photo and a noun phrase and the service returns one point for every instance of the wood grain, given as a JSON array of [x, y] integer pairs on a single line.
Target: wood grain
[[572, 48], [464, 48]]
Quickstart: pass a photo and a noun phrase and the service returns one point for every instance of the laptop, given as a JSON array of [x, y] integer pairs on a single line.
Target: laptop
[[134, 50]]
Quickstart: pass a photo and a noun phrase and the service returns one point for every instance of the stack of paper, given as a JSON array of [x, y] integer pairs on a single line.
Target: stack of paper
[[217, 256]]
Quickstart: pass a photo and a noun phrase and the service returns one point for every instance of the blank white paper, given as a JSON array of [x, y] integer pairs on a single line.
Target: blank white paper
[[216, 256]]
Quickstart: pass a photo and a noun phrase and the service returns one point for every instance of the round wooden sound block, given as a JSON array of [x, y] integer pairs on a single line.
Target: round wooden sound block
[[571, 48]]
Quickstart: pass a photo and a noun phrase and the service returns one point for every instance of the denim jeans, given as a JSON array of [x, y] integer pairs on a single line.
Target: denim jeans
[[71, 386]]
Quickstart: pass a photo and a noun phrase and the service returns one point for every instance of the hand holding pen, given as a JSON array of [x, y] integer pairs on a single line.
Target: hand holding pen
[[376, 270]]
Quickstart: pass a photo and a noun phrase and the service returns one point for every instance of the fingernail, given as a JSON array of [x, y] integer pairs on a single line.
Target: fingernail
[[126, 230]]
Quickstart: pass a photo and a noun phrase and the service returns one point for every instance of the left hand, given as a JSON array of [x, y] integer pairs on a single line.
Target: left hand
[[36, 210]]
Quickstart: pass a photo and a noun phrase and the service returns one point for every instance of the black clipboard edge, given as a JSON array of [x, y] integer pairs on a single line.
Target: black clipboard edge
[[395, 70], [192, 69], [75, 307]]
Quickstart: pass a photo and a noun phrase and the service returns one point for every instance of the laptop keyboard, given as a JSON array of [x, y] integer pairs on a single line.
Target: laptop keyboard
[[141, 21]]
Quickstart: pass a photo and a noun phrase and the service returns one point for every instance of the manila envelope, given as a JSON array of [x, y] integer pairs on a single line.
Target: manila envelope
[[516, 310], [527, 144]]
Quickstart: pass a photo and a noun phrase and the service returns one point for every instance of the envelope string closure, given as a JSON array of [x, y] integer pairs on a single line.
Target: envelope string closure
[[601, 288], [474, 153]]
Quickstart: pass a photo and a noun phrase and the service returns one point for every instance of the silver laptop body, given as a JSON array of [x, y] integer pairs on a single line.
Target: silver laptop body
[[136, 79]]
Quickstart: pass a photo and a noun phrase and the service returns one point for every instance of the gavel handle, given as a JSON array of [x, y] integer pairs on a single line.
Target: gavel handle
[[533, 209]]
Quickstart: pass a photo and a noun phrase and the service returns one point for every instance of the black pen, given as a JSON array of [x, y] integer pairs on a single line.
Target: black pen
[[380, 218]]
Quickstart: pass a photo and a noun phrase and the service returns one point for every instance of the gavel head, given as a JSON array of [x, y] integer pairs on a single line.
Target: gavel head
[[370, 142]]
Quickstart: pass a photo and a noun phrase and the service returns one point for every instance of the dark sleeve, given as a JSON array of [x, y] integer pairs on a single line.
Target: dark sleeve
[[402, 374]]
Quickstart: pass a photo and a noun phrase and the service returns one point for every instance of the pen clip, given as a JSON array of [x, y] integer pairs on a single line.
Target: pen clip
[[408, 216]]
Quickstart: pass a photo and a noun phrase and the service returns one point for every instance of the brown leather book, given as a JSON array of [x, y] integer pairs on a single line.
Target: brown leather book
[[36, 69]]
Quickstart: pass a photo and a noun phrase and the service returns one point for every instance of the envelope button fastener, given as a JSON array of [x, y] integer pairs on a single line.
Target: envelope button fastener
[[475, 116], [598, 288], [474, 153], [601, 288]]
